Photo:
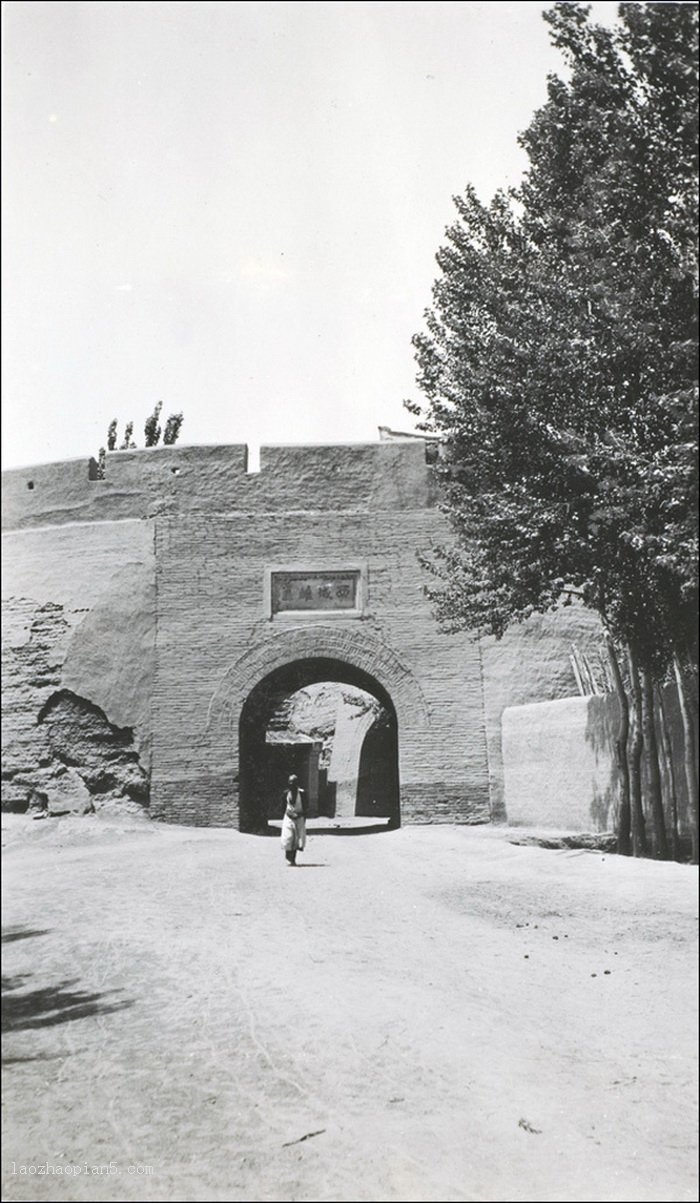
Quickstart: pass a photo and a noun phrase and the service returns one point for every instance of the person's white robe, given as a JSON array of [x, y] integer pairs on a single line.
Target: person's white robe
[[294, 829]]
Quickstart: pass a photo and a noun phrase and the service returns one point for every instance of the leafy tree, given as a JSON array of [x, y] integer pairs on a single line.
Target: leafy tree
[[152, 429], [128, 442], [152, 432], [559, 366], [172, 429]]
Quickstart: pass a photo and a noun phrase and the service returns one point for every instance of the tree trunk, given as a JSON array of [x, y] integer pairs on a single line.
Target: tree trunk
[[590, 676], [667, 749], [636, 744], [624, 841], [651, 759], [691, 774], [577, 671]]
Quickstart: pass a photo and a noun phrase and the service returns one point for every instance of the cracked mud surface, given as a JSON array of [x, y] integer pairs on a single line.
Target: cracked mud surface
[[426, 1014]]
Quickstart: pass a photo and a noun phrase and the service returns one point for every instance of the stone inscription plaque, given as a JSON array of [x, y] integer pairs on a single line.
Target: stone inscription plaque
[[315, 591]]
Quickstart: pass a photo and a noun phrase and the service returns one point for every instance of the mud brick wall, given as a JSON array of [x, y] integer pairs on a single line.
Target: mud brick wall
[[160, 573]]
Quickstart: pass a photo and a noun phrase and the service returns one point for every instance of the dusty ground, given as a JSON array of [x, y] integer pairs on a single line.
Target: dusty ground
[[426, 1014]]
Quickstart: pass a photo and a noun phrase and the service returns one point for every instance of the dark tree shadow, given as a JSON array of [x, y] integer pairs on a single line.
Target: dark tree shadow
[[22, 933], [24, 1010], [8, 1061]]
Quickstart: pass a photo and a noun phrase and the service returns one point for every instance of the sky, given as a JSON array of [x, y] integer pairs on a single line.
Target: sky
[[234, 208]]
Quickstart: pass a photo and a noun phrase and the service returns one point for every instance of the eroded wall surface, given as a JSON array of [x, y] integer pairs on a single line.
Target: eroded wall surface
[[78, 619]]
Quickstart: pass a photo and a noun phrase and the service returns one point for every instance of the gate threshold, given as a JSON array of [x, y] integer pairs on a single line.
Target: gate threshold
[[326, 826]]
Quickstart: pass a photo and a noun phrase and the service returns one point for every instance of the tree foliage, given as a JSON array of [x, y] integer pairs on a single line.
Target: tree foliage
[[558, 362], [152, 429], [128, 442], [172, 429]]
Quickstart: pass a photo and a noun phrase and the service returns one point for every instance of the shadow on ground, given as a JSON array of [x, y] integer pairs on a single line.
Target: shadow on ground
[[10, 934], [45, 1006]]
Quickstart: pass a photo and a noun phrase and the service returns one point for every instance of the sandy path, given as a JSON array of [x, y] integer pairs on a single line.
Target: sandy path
[[424, 1001]]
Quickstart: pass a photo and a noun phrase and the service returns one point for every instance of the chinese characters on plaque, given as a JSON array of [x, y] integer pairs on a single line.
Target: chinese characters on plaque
[[315, 591]]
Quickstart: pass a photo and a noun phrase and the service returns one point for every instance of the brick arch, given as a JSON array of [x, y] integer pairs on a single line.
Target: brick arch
[[358, 648]]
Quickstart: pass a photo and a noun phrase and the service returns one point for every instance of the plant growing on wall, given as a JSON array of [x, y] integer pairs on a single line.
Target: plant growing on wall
[[559, 370]]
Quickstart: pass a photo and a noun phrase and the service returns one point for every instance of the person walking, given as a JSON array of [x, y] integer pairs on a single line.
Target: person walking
[[294, 822]]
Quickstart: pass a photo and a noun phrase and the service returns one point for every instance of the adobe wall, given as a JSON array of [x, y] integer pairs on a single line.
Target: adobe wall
[[560, 768], [559, 765], [147, 593], [531, 664]]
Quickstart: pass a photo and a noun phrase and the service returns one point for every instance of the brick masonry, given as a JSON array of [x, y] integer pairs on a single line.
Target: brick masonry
[[161, 571]]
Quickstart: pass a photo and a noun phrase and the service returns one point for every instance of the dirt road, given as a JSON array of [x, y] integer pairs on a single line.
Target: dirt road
[[426, 1014]]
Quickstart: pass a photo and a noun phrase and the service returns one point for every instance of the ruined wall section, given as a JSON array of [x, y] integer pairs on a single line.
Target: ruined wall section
[[78, 615], [34, 643]]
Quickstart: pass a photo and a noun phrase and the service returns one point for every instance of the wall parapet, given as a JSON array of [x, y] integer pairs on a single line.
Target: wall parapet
[[363, 477]]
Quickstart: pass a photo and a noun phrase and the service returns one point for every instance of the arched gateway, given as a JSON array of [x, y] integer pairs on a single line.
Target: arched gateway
[[369, 787], [294, 658], [181, 594]]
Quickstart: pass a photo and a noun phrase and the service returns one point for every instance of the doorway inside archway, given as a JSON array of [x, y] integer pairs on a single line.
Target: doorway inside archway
[[332, 725]]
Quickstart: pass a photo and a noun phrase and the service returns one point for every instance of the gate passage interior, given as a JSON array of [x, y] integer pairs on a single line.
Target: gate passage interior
[[332, 725]]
